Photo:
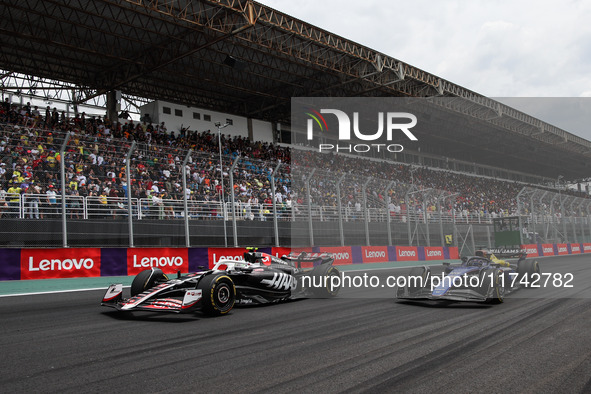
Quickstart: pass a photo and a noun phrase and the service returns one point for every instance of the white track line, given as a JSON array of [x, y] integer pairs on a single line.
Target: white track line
[[55, 292]]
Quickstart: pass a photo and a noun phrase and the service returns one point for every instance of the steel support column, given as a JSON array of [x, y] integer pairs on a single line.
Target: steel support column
[[273, 191], [129, 207], [233, 202], [310, 226], [63, 191], [185, 199], [365, 211], [340, 207], [388, 216]]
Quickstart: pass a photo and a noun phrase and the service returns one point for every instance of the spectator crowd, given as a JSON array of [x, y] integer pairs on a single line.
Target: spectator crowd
[[95, 164]]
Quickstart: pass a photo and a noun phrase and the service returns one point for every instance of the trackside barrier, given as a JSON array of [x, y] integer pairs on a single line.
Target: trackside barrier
[[22, 264]]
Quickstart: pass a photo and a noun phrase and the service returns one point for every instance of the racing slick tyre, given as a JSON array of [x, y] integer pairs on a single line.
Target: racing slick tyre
[[326, 272], [527, 272], [219, 294], [146, 279], [491, 286], [415, 286]]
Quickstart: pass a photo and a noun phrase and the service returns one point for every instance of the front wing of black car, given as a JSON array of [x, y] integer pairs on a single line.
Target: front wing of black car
[[150, 300]]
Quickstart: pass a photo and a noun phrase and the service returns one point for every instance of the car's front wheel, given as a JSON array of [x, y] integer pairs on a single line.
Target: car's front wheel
[[491, 286], [146, 279], [219, 294], [417, 279]]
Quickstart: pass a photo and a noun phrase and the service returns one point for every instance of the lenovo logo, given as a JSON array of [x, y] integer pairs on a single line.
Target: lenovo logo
[[406, 253], [149, 262], [374, 254], [341, 256], [221, 258], [60, 265]]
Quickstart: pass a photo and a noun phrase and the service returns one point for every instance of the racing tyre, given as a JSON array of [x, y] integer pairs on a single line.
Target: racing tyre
[[146, 279], [219, 294], [491, 286], [527, 272], [415, 286], [327, 272]]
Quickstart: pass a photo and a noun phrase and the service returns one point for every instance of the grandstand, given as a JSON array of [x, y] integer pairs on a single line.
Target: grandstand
[[246, 60]]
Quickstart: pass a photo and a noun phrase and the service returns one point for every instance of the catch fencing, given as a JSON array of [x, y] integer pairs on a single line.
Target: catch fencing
[[553, 217]]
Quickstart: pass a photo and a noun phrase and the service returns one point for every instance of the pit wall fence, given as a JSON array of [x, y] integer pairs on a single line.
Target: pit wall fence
[[26, 264]]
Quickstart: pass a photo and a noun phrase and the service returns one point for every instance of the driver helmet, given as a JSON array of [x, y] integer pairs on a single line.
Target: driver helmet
[[481, 253]]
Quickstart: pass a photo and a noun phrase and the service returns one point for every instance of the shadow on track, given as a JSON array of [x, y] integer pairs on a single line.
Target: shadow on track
[[154, 317], [446, 304]]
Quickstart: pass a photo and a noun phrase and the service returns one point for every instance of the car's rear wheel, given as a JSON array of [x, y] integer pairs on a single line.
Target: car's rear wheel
[[331, 281], [527, 272], [146, 279], [219, 294]]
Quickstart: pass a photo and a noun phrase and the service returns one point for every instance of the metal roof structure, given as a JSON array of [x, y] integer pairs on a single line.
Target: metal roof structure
[[244, 58]]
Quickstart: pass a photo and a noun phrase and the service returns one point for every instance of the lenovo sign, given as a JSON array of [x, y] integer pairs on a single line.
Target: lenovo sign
[[60, 263], [216, 255], [547, 249], [374, 254], [562, 249], [342, 254], [407, 253], [434, 253], [169, 260], [530, 249]]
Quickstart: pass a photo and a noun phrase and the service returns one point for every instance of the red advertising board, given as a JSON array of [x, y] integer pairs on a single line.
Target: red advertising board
[[60, 263], [342, 254], [407, 253], [434, 253], [562, 249], [169, 260], [575, 248], [374, 254], [586, 248], [531, 250], [453, 252], [216, 254], [547, 250]]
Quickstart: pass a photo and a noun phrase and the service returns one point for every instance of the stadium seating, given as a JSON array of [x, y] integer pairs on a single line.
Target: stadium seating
[[96, 184]]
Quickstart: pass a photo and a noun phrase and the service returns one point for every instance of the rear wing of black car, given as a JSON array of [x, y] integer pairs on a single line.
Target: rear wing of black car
[[304, 257]]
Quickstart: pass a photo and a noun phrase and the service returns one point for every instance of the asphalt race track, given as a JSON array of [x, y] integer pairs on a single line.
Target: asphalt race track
[[536, 341]]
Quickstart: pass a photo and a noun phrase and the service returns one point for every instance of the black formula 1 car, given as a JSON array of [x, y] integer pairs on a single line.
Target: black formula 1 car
[[480, 278], [259, 279]]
